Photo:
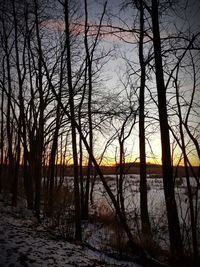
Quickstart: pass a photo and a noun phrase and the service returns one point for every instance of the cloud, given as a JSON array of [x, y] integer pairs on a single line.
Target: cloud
[[55, 25], [110, 33]]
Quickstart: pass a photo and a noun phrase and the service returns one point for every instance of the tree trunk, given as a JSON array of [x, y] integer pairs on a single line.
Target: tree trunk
[[146, 228], [78, 231], [121, 175], [16, 168], [89, 72], [8, 111], [40, 129], [190, 197], [52, 163], [172, 214], [2, 138]]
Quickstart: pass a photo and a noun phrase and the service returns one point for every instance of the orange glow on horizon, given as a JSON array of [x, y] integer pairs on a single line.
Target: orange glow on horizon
[[111, 162]]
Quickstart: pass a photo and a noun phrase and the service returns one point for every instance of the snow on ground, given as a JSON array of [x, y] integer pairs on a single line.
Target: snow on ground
[[25, 243]]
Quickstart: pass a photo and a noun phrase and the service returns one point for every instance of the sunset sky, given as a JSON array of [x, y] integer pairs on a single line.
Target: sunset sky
[[124, 46]]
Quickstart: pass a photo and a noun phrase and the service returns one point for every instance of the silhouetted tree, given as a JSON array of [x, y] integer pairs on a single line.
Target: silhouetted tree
[[78, 233], [172, 214], [146, 228]]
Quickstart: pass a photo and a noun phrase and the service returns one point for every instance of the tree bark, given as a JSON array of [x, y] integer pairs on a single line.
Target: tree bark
[[190, 197], [78, 231], [172, 214], [40, 129], [145, 222], [2, 136]]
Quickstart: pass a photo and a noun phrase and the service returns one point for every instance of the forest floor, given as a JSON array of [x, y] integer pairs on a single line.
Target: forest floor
[[24, 242]]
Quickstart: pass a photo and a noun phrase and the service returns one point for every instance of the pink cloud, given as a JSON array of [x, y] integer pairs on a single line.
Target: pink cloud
[[107, 32]]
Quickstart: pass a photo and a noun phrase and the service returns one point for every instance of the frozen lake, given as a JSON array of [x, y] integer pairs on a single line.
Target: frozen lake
[[103, 207]]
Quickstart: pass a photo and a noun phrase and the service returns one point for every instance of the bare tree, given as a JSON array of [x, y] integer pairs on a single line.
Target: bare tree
[[146, 228], [90, 49], [172, 214], [78, 234], [6, 86]]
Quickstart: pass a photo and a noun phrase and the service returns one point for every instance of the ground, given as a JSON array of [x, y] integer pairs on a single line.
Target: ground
[[23, 242]]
